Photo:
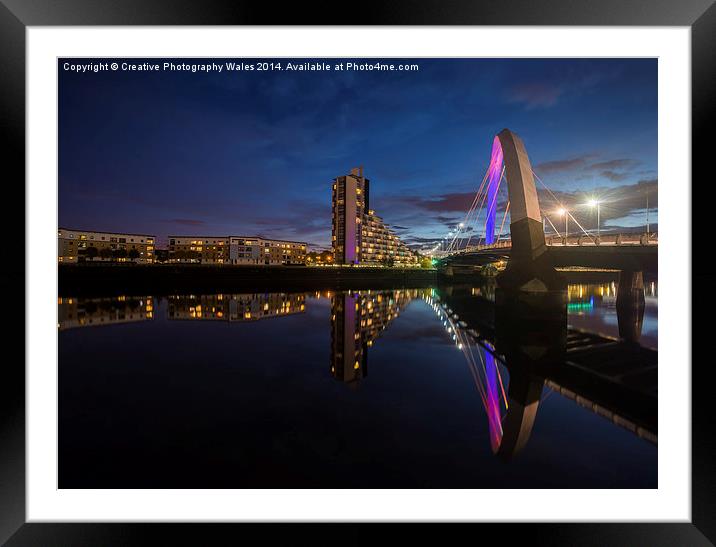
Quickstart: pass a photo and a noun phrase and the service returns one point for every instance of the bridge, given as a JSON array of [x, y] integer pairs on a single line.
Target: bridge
[[617, 253], [524, 324], [512, 355], [529, 253], [615, 378]]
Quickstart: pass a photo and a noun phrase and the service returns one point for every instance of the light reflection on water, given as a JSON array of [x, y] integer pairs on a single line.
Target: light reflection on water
[[440, 360], [592, 306]]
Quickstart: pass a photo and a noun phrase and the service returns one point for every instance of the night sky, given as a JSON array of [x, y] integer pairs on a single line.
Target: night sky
[[254, 153]]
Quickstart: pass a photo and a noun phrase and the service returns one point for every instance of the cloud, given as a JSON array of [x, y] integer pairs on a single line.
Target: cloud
[[535, 94], [621, 163], [584, 166], [614, 176], [559, 166], [615, 203], [453, 202]]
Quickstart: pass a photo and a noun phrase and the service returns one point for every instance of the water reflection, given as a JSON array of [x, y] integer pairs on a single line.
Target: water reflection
[[91, 312], [357, 319], [593, 306], [513, 365], [603, 374], [235, 307]]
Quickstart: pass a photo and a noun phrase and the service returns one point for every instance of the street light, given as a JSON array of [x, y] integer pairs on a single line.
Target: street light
[[595, 203], [563, 212]]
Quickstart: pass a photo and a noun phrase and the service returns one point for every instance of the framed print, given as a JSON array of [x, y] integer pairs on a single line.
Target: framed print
[[403, 270]]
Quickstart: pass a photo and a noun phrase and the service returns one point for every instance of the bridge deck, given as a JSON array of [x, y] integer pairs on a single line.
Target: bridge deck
[[618, 257]]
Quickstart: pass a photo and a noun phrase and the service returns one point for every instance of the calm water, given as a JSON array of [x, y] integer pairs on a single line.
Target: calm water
[[377, 389]]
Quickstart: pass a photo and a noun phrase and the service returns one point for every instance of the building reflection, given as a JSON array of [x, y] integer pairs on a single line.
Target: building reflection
[[75, 312], [235, 307], [583, 297], [357, 319]]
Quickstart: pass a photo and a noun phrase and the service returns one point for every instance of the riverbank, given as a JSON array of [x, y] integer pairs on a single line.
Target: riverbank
[[163, 279], [571, 275]]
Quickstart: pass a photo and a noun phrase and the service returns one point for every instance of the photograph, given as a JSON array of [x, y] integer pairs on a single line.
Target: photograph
[[357, 273]]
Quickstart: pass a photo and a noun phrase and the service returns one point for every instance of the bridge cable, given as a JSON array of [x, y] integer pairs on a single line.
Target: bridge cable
[[502, 225], [557, 201], [550, 223], [471, 210], [484, 199]]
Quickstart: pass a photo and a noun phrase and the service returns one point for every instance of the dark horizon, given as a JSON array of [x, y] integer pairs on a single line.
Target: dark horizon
[[238, 153]]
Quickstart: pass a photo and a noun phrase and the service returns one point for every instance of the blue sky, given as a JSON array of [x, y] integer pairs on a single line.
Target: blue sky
[[255, 152]]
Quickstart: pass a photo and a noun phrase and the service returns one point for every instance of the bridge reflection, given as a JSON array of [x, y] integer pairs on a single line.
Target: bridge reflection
[[512, 353], [614, 377]]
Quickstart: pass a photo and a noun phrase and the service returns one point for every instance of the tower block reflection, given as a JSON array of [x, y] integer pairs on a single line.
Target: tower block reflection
[[357, 319]]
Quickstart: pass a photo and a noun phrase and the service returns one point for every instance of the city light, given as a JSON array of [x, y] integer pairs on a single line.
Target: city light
[[563, 212], [595, 203]]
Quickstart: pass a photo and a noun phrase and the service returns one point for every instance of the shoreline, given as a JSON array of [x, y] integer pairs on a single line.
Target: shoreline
[[118, 279], [160, 280]]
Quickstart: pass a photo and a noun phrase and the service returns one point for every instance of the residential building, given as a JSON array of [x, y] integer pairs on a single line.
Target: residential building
[[350, 199], [161, 255], [75, 246], [199, 249], [381, 245], [359, 236], [267, 252], [247, 250]]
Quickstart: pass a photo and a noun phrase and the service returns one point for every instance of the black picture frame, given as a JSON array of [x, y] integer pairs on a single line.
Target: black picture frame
[[16, 15]]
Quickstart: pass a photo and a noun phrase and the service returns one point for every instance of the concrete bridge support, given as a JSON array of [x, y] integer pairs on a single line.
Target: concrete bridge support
[[630, 305], [525, 392], [529, 269], [533, 340]]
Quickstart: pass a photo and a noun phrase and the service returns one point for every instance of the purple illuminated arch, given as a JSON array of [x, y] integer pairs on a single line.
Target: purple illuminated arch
[[492, 402], [494, 173]]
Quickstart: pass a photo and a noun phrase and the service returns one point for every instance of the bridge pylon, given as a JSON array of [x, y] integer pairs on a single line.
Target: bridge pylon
[[529, 269]]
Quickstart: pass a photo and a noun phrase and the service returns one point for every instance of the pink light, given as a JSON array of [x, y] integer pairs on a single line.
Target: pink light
[[494, 414], [494, 176]]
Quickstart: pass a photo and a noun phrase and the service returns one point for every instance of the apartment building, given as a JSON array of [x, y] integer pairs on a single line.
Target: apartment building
[[359, 236], [381, 245], [238, 250], [199, 249], [76, 246]]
